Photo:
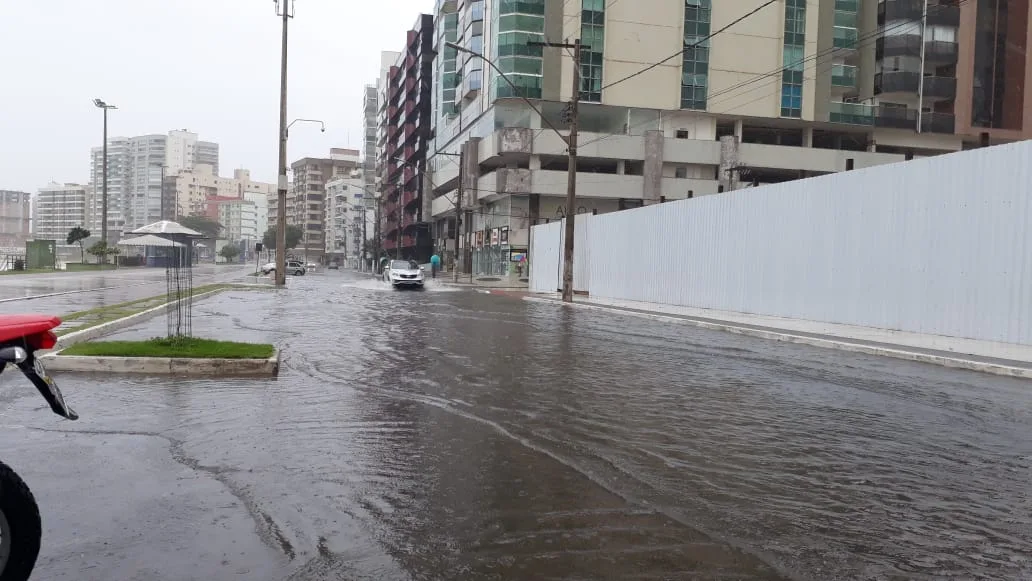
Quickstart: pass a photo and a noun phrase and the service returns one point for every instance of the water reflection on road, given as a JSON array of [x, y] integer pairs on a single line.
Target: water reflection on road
[[67, 292], [455, 435]]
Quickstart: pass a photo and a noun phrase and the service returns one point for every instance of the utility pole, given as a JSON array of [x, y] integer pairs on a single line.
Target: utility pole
[[458, 212], [364, 247], [283, 9], [571, 183]]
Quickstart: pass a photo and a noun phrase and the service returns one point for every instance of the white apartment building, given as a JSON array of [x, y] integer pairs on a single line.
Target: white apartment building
[[260, 200], [136, 166], [787, 93], [345, 211], [185, 150], [57, 209], [119, 184]]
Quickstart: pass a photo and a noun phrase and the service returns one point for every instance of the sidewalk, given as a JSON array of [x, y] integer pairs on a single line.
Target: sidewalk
[[985, 356]]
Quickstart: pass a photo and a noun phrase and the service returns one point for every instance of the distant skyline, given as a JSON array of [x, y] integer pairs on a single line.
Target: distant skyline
[[209, 66]]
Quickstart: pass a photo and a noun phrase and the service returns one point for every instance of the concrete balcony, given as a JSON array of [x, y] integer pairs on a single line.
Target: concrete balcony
[[940, 52], [938, 123], [940, 89], [845, 38], [897, 83], [596, 145], [443, 205], [843, 78]]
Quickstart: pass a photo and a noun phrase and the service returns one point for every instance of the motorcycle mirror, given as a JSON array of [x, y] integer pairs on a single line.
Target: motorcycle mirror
[[13, 355]]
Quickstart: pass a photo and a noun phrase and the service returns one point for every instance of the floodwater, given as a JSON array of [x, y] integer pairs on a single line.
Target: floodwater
[[449, 434]]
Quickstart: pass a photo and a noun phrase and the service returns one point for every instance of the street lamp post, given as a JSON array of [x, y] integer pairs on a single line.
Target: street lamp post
[[100, 104]]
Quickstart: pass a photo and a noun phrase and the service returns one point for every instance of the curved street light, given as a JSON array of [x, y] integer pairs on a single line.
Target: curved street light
[[286, 132], [571, 143], [515, 89]]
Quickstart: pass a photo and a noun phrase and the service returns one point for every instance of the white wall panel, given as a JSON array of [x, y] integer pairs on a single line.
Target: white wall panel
[[939, 245], [546, 248]]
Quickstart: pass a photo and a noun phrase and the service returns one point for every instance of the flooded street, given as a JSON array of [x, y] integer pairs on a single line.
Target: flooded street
[[450, 434], [62, 293]]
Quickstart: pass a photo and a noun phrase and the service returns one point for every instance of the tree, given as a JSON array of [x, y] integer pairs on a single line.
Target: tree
[[101, 250], [229, 252], [76, 236], [206, 226], [294, 234]]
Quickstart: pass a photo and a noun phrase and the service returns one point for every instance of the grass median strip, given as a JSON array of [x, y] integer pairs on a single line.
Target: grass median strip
[[81, 320], [183, 347]]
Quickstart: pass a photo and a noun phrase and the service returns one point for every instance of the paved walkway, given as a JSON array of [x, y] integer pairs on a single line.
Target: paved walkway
[[986, 356]]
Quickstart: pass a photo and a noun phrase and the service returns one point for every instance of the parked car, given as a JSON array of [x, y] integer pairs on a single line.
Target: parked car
[[293, 267], [403, 273], [334, 266]]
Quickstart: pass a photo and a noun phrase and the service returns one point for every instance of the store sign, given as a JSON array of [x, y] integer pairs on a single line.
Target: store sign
[[495, 235]]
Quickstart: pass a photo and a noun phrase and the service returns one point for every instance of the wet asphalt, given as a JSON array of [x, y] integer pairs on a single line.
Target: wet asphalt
[[62, 293], [449, 434]]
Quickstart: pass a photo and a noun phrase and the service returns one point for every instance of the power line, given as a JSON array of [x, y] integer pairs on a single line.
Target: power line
[[695, 44], [771, 76], [860, 42]]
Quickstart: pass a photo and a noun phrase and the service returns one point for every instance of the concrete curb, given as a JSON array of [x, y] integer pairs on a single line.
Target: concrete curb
[[165, 365], [75, 337], [841, 345]]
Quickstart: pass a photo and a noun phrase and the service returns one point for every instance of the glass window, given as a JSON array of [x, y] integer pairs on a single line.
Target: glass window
[[695, 60], [593, 20], [793, 56]]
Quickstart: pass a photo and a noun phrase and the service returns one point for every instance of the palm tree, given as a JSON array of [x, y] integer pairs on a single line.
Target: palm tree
[[76, 236]]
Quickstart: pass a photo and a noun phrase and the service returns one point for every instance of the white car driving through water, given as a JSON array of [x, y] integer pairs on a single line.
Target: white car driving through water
[[403, 273]]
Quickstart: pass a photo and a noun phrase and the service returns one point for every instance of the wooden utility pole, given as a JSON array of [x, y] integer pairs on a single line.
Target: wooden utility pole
[[458, 213], [285, 11], [571, 183]]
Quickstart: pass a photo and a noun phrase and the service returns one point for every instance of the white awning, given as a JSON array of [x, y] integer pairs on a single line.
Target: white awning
[[167, 227], [149, 240]]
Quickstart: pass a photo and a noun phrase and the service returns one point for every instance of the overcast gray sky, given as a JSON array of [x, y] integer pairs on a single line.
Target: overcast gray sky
[[210, 66]]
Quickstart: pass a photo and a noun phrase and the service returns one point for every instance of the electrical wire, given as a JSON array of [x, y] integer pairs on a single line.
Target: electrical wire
[[773, 76], [695, 44], [860, 42]]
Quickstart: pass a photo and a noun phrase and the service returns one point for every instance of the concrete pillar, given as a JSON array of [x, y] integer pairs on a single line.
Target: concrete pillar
[[471, 172], [535, 162], [739, 130], [652, 182], [621, 167], [729, 163], [808, 137]]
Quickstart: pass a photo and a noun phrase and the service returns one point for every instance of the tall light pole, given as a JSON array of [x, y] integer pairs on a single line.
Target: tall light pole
[[283, 161], [100, 104], [570, 140], [284, 8]]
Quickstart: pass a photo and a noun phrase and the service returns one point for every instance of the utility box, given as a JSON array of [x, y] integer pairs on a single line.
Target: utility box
[[40, 254]]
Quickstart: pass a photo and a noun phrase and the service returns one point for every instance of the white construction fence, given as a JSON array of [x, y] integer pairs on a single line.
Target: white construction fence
[[940, 245]]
